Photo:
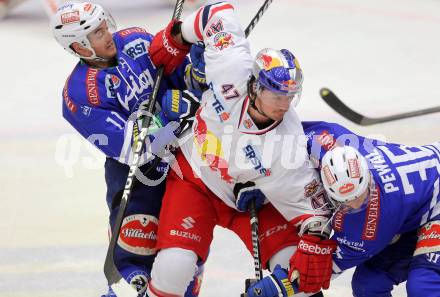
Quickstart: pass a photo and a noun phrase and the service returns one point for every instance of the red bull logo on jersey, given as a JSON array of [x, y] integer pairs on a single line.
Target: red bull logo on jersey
[[92, 86], [138, 234], [209, 147], [223, 40]]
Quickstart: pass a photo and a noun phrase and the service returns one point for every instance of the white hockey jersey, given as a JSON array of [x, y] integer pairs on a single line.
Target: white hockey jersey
[[226, 147]]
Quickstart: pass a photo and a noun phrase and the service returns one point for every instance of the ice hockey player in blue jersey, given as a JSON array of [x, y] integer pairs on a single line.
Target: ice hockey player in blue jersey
[[100, 100], [386, 205]]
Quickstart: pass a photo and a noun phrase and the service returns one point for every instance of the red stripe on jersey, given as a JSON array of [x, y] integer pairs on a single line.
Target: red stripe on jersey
[[197, 24], [219, 8], [243, 110]]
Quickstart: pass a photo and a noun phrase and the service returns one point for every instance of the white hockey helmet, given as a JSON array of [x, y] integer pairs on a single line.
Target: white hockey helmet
[[278, 71], [345, 174], [74, 21]]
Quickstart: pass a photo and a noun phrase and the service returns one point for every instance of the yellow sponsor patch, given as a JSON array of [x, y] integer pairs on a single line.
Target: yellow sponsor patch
[[288, 286], [175, 101]]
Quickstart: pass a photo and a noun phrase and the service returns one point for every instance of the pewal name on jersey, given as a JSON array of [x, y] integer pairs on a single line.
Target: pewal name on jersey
[[388, 179]]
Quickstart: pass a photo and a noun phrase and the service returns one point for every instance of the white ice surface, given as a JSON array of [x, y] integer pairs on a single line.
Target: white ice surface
[[380, 56]]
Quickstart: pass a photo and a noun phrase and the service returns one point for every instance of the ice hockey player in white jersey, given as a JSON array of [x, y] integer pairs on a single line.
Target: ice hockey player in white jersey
[[246, 143]]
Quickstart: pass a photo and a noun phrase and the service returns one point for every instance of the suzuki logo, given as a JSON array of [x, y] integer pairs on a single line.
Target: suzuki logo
[[188, 223]]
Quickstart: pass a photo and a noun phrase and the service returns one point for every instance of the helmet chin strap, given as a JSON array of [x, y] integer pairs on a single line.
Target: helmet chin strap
[[253, 98]]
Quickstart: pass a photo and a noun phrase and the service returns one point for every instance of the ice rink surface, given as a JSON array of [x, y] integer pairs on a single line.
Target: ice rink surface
[[379, 56]]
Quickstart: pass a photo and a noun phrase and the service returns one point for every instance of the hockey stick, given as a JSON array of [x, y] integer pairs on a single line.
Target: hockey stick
[[255, 240], [114, 278], [257, 17], [255, 247], [331, 99]]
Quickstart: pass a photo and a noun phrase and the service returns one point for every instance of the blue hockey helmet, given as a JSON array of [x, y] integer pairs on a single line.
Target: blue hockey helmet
[[278, 71]]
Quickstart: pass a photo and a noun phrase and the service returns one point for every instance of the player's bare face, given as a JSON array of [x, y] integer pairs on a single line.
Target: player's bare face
[[273, 105], [101, 40]]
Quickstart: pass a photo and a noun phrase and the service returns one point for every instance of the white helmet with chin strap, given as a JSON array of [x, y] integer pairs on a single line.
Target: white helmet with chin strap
[[345, 174], [74, 21]]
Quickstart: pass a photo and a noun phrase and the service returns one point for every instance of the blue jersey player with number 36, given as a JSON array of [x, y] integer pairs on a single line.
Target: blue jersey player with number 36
[[386, 204]]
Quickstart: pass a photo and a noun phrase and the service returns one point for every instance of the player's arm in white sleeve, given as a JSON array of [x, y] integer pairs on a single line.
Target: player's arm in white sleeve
[[227, 52]]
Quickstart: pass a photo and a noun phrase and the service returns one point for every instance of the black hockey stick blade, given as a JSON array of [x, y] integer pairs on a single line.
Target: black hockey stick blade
[[334, 102]]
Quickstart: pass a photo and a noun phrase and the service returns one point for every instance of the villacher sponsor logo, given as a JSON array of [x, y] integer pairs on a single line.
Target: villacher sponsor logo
[[138, 233]]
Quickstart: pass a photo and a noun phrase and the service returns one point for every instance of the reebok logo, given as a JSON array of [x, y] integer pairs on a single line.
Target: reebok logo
[[314, 248], [170, 49]]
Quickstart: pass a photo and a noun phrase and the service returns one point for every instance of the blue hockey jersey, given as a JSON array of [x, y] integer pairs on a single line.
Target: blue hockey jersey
[[99, 102], [405, 196]]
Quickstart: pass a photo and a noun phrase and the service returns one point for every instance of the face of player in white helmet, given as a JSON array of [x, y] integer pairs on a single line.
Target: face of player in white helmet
[[101, 40]]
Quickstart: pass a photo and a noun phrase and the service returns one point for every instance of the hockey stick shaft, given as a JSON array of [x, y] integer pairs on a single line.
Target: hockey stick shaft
[[257, 17], [114, 278], [340, 107], [255, 240]]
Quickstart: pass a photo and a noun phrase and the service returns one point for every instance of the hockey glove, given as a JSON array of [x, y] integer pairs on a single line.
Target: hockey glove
[[246, 192], [180, 106], [198, 63], [275, 285], [165, 50], [313, 261]]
